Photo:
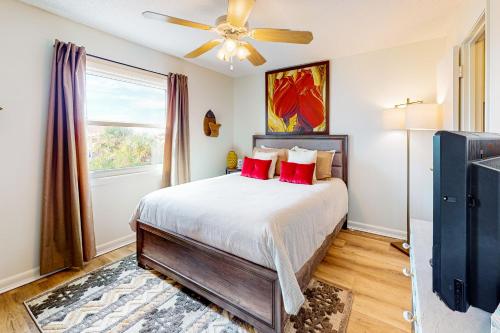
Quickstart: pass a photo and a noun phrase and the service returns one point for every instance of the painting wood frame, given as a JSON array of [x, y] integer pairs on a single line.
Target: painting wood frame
[[326, 98]]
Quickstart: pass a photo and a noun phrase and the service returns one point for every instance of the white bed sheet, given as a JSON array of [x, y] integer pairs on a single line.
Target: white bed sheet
[[275, 224]]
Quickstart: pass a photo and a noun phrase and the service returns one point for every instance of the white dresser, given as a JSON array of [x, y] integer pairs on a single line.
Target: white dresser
[[495, 321], [430, 315]]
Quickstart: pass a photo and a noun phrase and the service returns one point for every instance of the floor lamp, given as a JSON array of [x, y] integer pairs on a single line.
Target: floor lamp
[[417, 117]]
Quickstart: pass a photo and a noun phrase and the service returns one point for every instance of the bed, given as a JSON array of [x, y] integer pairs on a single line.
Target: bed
[[247, 245]]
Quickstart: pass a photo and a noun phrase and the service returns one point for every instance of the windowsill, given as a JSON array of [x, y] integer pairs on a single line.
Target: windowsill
[[126, 171]]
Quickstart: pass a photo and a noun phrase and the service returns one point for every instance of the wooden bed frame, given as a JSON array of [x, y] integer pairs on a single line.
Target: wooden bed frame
[[245, 289]]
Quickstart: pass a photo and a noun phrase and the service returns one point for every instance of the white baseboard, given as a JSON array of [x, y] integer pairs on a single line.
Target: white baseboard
[[383, 231], [115, 244], [14, 281]]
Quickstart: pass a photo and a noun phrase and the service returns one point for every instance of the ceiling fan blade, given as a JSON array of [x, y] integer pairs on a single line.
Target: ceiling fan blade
[[204, 48], [238, 11], [175, 20], [281, 35], [255, 57]]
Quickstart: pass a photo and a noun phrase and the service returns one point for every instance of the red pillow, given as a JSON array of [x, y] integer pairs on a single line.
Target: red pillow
[[297, 173], [255, 168]]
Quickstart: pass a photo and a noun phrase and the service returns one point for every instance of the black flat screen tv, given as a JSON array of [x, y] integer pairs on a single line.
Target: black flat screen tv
[[466, 221]]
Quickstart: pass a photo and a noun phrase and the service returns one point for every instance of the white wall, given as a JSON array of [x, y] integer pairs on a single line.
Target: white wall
[[25, 60], [445, 88], [362, 86]]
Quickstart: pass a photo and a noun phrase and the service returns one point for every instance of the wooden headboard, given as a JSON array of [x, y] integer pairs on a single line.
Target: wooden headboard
[[315, 142]]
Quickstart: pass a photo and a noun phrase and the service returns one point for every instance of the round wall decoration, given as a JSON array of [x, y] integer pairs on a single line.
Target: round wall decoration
[[210, 126]]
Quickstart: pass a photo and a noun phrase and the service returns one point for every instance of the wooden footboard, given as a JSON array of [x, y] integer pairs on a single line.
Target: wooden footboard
[[247, 290]]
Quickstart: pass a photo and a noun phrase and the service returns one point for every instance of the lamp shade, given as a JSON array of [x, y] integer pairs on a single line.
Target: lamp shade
[[423, 117]]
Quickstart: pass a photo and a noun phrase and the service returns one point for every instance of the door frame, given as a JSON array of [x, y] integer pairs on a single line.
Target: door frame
[[467, 76]]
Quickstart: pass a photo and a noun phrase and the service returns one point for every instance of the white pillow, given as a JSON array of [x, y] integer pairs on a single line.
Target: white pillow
[[303, 156], [319, 160], [297, 148], [273, 156]]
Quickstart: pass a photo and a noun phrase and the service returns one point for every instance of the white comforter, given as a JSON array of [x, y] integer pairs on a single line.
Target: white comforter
[[271, 223]]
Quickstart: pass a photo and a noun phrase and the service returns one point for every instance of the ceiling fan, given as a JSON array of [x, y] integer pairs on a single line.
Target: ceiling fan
[[232, 28]]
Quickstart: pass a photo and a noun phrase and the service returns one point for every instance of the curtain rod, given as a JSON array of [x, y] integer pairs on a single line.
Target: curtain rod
[[121, 63]]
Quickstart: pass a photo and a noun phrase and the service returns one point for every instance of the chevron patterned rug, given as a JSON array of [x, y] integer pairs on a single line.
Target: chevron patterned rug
[[123, 297]]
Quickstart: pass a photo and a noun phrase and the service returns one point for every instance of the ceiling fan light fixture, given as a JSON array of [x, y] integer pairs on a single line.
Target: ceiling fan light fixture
[[230, 46], [242, 52], [221, 54]]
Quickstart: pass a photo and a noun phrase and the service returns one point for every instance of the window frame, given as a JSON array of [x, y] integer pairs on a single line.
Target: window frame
[[133, 75]]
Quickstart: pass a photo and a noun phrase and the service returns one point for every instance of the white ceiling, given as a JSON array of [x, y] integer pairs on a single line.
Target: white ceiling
[[340, 27]]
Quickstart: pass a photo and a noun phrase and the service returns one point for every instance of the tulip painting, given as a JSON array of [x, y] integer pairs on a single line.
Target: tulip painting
[[297, 100]]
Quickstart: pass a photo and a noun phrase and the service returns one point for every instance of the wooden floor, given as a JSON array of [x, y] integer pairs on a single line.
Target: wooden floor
[[371, 268], [362, 262]]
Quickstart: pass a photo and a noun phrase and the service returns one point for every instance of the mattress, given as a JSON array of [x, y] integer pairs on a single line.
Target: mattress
[[271, 223]]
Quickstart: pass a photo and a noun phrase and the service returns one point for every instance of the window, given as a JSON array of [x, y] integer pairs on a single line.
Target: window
[[126, 111]]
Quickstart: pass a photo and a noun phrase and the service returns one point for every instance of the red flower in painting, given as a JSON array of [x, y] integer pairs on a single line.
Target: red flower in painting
[[299, 96], [285, 97], [310, 100]]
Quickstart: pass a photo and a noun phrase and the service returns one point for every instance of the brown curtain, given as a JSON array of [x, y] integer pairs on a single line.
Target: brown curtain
[[67, 222], [176, 151]]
